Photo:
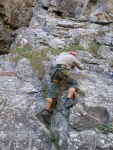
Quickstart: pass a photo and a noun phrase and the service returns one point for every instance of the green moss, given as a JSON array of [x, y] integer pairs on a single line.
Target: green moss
[[45, 90], [93, 49], [111, 63], [54, 140], [101, 127]]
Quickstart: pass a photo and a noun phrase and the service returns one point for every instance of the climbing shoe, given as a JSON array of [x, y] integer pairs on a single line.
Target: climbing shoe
[[69, 103], [46, 116]]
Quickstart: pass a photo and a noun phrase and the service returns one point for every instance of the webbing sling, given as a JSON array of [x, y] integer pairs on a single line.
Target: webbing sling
[[65, 76]]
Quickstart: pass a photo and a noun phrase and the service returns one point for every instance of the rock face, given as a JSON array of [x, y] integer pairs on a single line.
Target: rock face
[[59, 24], [13, 15], [83, 128]]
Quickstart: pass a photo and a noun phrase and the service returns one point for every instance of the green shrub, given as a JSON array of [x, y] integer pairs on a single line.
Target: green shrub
[[36, 58], [93, 49], [58, 51]]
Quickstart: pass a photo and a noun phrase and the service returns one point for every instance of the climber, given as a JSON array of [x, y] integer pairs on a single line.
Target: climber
[[60, 73]]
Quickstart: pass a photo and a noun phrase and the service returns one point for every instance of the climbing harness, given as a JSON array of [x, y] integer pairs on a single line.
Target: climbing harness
[[59, 76]]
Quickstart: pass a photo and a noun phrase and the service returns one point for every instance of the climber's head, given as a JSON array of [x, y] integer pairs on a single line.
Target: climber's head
[[72, 53]]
